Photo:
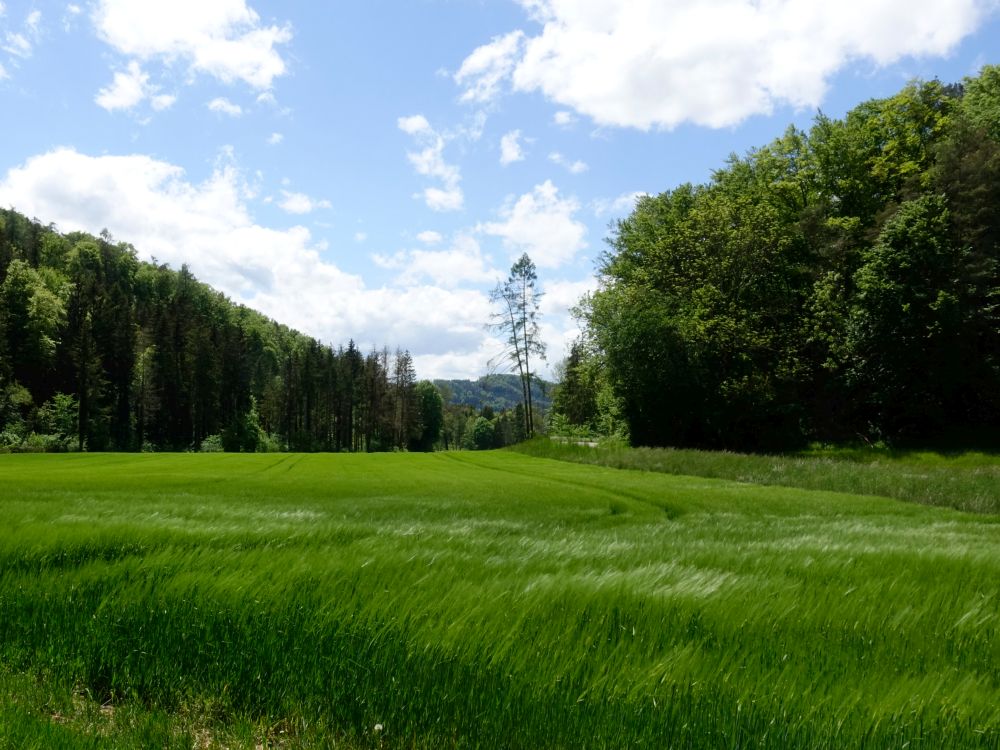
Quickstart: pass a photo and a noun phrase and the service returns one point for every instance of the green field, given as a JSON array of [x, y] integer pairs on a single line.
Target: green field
[[482, 600]]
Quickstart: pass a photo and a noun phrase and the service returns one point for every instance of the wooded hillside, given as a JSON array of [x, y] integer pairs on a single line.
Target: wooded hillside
[[102, 351]]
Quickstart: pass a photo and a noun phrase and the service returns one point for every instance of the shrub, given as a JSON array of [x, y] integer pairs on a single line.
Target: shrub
[[212, 444]]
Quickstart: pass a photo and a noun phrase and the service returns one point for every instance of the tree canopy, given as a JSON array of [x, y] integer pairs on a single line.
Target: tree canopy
[[99, 350], [834, 284]]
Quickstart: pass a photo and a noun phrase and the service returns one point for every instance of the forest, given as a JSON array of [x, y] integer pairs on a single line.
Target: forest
[[102, 351], [837, 285]]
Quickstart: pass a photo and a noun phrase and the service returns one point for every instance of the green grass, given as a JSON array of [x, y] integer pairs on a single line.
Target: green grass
[[482, 600], [967, 481]]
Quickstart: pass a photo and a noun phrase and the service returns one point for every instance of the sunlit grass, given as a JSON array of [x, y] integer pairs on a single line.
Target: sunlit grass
[[965, 481], [484, 600]]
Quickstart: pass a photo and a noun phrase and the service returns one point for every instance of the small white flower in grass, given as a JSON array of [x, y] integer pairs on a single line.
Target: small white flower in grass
[[378, 728]]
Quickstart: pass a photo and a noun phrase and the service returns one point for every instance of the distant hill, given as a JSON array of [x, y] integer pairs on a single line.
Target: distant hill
[[496, 391]]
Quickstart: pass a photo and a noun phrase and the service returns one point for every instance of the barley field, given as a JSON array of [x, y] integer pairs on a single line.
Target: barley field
[[494, 600]]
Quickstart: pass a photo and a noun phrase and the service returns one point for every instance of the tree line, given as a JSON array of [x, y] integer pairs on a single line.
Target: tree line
[[836, 284], [102, 351]]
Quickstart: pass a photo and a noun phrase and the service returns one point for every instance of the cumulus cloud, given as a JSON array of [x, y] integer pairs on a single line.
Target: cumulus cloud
[[131, 87], [283, 273], [275, 138], [563, 118], [483, 72], [573, 166], [660, 63], [430, 237], [510, 148], [462, 263], [558, 328], [542, 224], [429, 162], [221, 38], [223, 106], [300, 203]]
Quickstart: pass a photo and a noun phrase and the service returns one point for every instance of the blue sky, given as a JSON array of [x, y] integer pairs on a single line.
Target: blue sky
[[370, 170]]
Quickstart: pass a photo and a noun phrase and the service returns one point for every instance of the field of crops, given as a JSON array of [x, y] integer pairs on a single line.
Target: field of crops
[[482, 600]]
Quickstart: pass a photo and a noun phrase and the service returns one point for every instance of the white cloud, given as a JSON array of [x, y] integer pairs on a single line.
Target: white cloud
[[619, 206], [430, 237], [461, 263], [282, 273], [275, 138], [465, 364], [221, 38], [300, 203], [558, 327], [3, 73], [561, 295], [563, 118], [360, 236], [70, 15], [223, 106], [483, 72], [660, 63], [131, 87], [20, 44], [510, 148], [571, 166], [414, 124], [541, 224], [161, 102], [448, 199], [17, 45], [429, 162]]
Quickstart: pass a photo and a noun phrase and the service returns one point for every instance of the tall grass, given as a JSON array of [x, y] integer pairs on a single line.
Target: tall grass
[[488, 600], [966, 481]]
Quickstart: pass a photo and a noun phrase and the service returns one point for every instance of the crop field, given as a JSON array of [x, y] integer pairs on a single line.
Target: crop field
[[482, 600]]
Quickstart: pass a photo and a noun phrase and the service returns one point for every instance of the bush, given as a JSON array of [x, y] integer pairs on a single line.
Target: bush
[[212, 444], [268, 443], [9, 439], [44, 443]]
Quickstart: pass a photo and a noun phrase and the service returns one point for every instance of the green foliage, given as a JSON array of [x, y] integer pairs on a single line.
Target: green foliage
[[58, 416], [431, 409], [481, 436], [838, 283], [31, 315], [906, 320], [575, 398], [212, 444], [483, 600], [245, 433], [156, 359], [981, 103]]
